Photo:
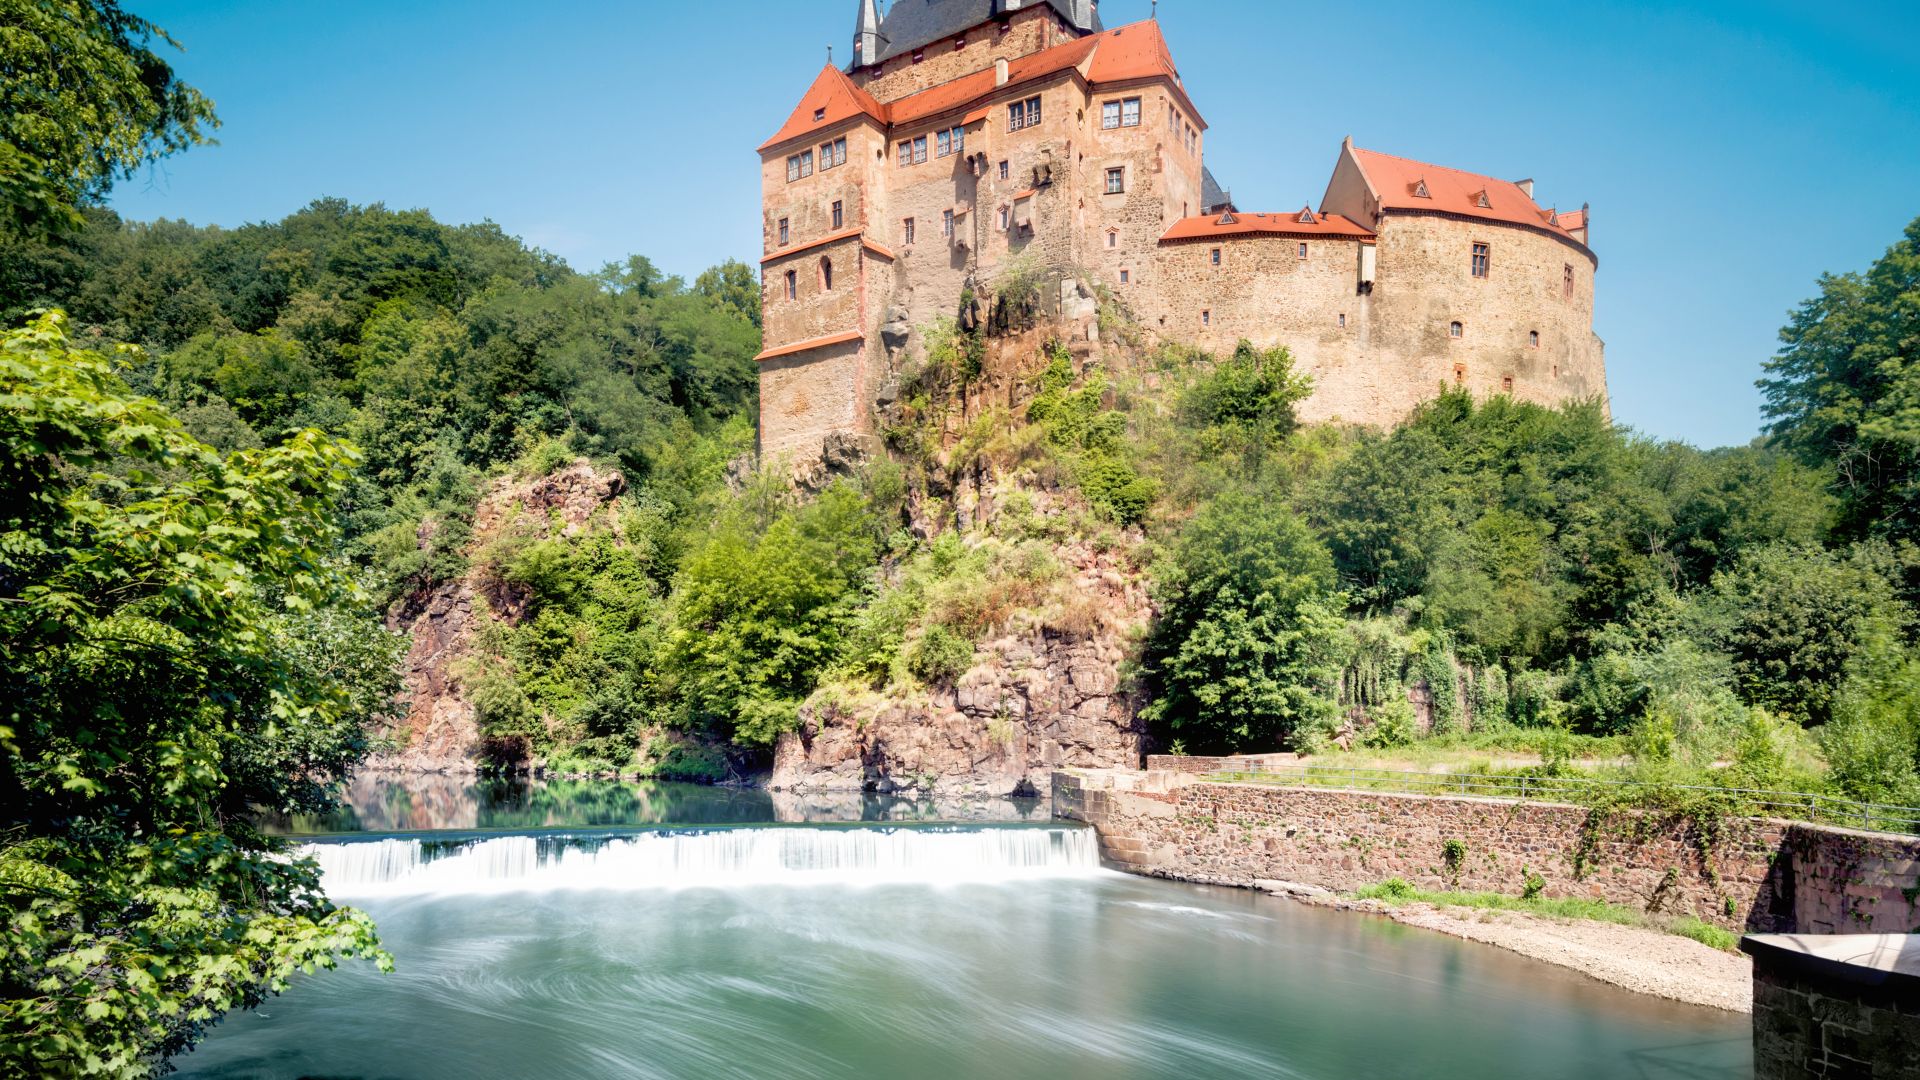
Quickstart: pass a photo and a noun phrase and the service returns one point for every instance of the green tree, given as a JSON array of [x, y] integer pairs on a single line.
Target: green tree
[[85, 100], [148, 585], [1245, 648], [1844, 390]]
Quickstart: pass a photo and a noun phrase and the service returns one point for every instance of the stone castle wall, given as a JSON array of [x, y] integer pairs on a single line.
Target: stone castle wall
[[1778, 876]]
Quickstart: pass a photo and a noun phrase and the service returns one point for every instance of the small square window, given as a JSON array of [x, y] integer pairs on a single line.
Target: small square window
[[1124, 278], [1214, 256], [819, 115], [1116, 181], [919, 55], [1506, 384], [1459, 374]]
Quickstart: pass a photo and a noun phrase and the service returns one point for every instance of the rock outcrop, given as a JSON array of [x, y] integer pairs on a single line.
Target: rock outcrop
[[440, 732], [1039, 697]]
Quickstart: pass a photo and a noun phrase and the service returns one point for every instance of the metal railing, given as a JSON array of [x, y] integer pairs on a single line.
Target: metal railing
[[1584, 790]]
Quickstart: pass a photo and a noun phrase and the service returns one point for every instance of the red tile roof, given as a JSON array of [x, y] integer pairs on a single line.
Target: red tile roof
[[1573, 219], [1135, 51], [781, 253], [967, 89], [834, 98], [811, 343], [1396, 179], [1212, 226]]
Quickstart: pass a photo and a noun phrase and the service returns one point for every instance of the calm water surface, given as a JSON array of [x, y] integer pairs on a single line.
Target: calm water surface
[[912, 951]]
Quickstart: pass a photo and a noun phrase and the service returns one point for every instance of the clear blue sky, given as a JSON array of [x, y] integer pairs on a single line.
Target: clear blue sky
[[1732, 152]]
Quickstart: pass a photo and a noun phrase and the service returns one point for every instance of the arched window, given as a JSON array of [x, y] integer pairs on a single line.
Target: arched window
[[826, 274], [793, 285], [1454, 329], [1533, 339]]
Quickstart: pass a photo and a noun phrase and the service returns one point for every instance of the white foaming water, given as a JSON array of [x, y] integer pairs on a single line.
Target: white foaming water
[[720, 858]]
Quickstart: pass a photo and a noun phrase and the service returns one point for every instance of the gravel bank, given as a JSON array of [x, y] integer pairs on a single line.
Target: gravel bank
[[1631, 957]]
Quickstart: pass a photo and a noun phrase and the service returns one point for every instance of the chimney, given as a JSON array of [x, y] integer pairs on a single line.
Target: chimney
[[1525, 186], [1000, 72]]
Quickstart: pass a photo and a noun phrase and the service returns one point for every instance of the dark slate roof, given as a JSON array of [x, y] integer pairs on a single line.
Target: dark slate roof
[[1211, 196], [910, 24]]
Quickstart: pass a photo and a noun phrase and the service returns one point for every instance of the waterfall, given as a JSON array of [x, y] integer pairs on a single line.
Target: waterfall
[[713, 858]]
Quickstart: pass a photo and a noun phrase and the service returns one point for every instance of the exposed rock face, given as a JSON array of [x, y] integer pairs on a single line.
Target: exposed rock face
[[1036, 698], [440, 733]]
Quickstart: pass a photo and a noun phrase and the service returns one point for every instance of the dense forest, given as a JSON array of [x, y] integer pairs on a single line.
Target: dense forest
[[226, 453]]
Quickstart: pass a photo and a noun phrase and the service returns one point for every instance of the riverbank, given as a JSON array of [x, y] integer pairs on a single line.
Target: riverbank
[[1640, 959]]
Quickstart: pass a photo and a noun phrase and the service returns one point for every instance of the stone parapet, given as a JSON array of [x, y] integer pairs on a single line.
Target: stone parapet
[[1841, 1005], [1748, 874]]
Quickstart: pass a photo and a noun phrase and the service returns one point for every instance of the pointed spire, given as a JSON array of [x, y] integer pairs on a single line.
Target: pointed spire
[[866, 34]]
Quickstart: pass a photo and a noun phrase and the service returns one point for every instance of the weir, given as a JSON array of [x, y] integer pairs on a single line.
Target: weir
[[706, 858]]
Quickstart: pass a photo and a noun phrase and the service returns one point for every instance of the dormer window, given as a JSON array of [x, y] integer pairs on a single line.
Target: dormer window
[[1420, 190], [1306, 216], [1227, 219], [1480, 200], [819, 115]]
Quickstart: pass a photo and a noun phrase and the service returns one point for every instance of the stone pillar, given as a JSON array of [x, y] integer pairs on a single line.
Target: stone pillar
[[1835, 1005]]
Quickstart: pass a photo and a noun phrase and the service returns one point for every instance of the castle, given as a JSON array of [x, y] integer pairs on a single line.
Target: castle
[[968, 133]]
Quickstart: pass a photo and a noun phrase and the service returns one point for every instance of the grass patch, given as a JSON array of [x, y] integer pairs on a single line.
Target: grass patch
[[1399, 891]]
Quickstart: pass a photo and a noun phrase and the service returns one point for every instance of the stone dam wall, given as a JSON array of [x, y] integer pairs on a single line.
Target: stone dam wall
[[1753, 875]]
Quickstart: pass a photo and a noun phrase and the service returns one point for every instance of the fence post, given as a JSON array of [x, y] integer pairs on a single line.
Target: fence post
[[1523, 785]]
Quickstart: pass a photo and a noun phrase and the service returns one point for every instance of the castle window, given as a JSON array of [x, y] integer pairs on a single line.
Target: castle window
[[1003, 219], [1003, 170], [826, 274], [1023, 114], [819, 115], [1122, 113], [832, 154], [946, 223], [1124, 277], [959, 43], [1005, 26], [919, 55], [1533, 339], [1214, 256], [1459, 374], [839, 217], [784, 236], [951, 141], [1455, 330], [799, 165], [906, 231], [1173, 119], [1303, 249], [793, 285], [913, 151], [1343, 320], [1481, 257], [1116, 181], [1206, 318], [1566, 282], [1506, 384], [1113, 239]]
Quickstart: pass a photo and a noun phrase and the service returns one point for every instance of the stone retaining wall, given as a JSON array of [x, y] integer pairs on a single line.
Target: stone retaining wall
[[1756, 874]]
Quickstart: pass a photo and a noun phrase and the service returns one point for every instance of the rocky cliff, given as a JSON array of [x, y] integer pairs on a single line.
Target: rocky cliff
[[440, 733]]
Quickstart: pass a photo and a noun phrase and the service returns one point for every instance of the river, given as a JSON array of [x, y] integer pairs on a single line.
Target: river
[[892, 946]]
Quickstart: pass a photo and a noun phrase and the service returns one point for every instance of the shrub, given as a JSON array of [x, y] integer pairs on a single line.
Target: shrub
[[940, 656]]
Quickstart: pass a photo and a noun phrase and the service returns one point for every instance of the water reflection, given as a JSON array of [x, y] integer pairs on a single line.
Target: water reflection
[[385, 802]]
